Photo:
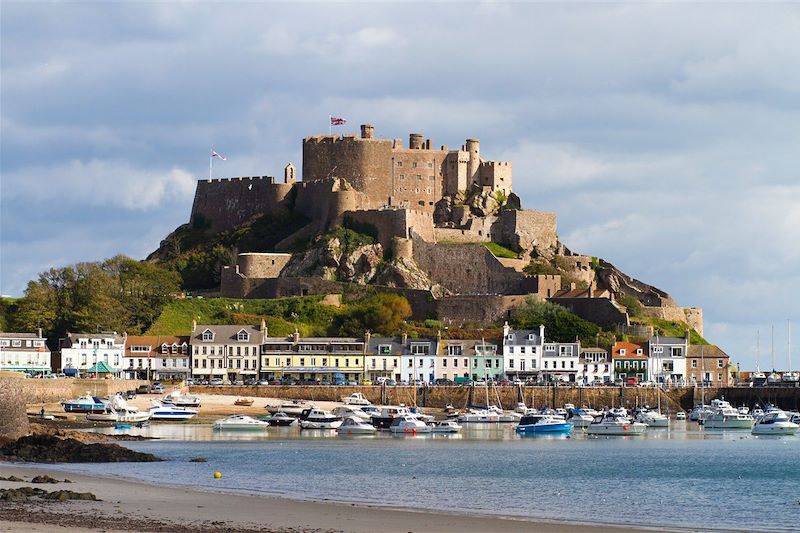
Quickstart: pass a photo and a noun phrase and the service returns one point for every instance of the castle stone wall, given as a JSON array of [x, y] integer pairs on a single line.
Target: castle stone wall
[[524, 229], [691, 315], [601, 311], [228, 202], [262, 265], [391, 223], [479, 229]]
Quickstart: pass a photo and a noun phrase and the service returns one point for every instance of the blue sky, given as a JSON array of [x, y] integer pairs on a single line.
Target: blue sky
[[664, 135]]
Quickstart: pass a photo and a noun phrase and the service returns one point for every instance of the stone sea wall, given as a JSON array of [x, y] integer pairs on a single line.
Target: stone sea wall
[[54, 390]]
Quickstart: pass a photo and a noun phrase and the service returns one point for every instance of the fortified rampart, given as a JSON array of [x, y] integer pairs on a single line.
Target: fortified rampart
[[693, 316], [226, 203], [237, 280], [391, 223], [602, 311]]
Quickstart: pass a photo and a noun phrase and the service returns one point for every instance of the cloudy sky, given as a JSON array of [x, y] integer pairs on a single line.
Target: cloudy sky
[[666, 136]]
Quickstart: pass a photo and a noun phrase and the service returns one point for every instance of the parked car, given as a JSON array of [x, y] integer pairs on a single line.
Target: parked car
[[130, 394], [445, 382], [366, 383], [262, 382], [250, 381], [325, 382], [190, 381], [143, 389], [351, 383], [276, 382], [215, 381], [390, 383], [157, 388]]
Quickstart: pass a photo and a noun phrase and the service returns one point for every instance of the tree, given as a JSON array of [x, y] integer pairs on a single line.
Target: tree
[[560, 325], [382, 314]]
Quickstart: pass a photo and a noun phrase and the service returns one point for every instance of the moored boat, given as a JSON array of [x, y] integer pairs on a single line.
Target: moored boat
[[281, 419], [356, 399], [343, 411], [355, 426], [244, 402], [652, 418], [409, 424], [543, 424], [387, 415], [240, 422], [728, 418], [445, 426], [580, 418], [614, 424], [319, 419], [159, 411], [479, 416], [291, 408], [775, 423], [85, 404], [181, 400]]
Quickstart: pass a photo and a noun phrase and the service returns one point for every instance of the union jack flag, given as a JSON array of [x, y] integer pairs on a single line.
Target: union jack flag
[[338, 121]]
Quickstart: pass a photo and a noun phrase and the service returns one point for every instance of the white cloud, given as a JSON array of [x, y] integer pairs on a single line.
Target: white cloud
[[100, 183]]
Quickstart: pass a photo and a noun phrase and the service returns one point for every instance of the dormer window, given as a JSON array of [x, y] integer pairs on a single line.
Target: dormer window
[[384, 349], [530, 336], [622, 351], [208, 335], [165, 348], [174, 348], [184, 348], [511, 336], [639, 351], [242, 336]]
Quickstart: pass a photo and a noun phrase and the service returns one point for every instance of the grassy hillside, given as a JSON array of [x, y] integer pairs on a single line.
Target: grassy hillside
[[281, 315], [669, 328]]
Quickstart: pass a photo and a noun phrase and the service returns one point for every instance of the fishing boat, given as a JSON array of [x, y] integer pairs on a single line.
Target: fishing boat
[[240, 422], [409, 424], [355, 426], [543, 424], [355, 399], [280, 419], [445, 426], [85, 404], [291, 408], [613, 424], [775, 423], [319, 419], [181, 400], [244, 402], [159, 411]]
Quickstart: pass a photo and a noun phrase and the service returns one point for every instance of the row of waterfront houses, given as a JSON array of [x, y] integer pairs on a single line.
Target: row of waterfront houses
[[241, 353]]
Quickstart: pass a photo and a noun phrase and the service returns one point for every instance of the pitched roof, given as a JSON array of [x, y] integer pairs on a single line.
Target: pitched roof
[[630, 351], [154, 342], [225, 332], [705, 350], [521, 337], [101, 367]]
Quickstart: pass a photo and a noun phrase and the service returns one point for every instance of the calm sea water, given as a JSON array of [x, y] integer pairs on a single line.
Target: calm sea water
[[681, 477]]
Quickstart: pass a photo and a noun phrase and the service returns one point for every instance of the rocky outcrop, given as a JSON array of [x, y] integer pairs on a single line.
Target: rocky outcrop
[[13, 418], [50, 449], [328, 260], [405, 273], [619, 283], [23, 494]]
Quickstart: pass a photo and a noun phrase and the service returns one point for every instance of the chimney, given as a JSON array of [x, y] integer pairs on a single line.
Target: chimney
[[296, 335], [40, 333], [506, 329], [541, 332], [194, 325], [367, 131], [404, 338], [367, 336]]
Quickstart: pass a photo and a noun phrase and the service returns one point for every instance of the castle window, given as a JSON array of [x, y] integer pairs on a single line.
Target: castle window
[[399, 163], [402, 176], [414, 164], [419, 177], [431, 178], [430, 165], [429, 190], [417, 191]]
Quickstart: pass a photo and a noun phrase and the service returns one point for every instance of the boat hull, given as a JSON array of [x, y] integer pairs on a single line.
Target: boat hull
[[283, 422], [775, 429], [240, 427], [397, 430], [314, 424], [628, 429], [545, 428], [729, 423], [84, 408], [171, 415]]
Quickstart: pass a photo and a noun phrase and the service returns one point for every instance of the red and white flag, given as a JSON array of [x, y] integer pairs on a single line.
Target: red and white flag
[[215, 154], [338, 121]]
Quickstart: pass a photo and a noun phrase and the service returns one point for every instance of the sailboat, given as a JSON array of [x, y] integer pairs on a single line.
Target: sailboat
[[758, 379], [790, 376], [773, 378]]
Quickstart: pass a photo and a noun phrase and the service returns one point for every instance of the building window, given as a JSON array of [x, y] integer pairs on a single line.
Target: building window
[[622, 351], [444, 363], [208, 335], [677, 352], [719, 363], [510, 363], [694, 363], [402, 177], [399, 163], [242, 336], [455, 349]]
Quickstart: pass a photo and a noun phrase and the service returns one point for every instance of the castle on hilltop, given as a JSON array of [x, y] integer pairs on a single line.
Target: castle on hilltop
[[433, 213]]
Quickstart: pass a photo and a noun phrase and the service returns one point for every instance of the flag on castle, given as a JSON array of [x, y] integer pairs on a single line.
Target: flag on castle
[[338, 121], [215, 154]]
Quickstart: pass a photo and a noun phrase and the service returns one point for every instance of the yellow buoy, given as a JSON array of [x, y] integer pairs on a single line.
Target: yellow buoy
[[217, 475]]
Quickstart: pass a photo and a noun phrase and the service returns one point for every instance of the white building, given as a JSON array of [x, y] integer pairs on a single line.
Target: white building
[[522, 353], [419, 360], [667, 359], [156, 357], [227, 352], [24, 352], [595, 366], [80, 351], [561, 361]]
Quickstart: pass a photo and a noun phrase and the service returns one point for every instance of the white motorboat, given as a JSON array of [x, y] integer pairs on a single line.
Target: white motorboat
[[343, 411], [240, 422], [613, 424], [180, 400], [319, 419], [700, 412], [159, 411], [775, 423], [387, 415], [445, 426], [652, 418], [743, 410], [291, 408], [503, 416], [680, 415], [356, 399], [409, 424], [280, 419], [758, 412], [85, 404], [121, 412], [580, 418], [355, 426], [479, 416], [371, 410], [521, 408], [728, 418]]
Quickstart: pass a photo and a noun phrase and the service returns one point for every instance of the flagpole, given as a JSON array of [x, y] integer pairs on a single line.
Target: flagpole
[[210, 164], [330, 124]]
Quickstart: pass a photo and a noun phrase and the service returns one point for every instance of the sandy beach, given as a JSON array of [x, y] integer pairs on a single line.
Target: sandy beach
[[133, 506]]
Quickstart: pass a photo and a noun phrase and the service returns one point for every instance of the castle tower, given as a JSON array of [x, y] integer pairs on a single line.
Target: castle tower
[[416, 141], [289, 173], [367, 131], [474, 165]]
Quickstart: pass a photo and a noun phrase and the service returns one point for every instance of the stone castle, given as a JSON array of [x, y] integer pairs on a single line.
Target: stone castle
[[431, 211]]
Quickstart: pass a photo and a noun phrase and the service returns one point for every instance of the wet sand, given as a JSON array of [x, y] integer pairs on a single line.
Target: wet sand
[[133, 506]]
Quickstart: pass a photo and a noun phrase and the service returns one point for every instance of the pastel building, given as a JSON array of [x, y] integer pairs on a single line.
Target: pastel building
[[453, 359], [630, 362], [667, 357], [226, 351], [313, 358], [80, 351], [595, 366], [419, 360], [561, 361], [384, 358], [24, 352], [708, 364]]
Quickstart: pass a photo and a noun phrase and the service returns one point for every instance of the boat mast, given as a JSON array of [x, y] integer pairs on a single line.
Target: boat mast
[[789, 343], [772, 348]]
